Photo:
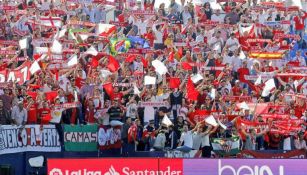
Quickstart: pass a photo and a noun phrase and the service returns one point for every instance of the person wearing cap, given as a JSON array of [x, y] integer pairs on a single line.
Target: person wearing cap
[[19, 114]]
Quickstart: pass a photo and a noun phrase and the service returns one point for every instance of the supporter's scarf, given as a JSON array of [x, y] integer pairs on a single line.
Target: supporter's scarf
[[152, 104], [8, 42], [237, 98], [266, 55]]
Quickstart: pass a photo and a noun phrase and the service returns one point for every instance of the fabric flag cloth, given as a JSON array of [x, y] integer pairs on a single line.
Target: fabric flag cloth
[[136, 91], [51, 21], [213, 93], [145, 62], [34, 67], [171, 57], [137, 41], [60, 34], [221, 124], [159, 67], [174, 82], [72, 61], [258, 81], [186, 66], [113, 64], [91, 51], [130, 58], [211, 121], [148, 80], [105, 141], [197, 78], [243, 105], [192, 93], [105, 73], [56, 47], [109, 89], [72, 143], [269, 85], [94, 62], [166, 120], [51, 95], [105, 29], [23, 43], [226, 146]]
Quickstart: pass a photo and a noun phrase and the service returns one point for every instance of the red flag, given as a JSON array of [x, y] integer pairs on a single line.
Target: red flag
[[37, 56], [180, 52], [113, 65], [192, 93], [145, 62], [51, 95], [94, 62], [130, 58], [32, 94], [174, 82], [186, 66], [108, 88], [171, 57]]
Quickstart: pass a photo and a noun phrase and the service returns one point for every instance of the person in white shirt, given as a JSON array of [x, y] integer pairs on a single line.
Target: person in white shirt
[[232, 43], [217, 16], [186, 140], [185, 15], [200, 37], [158, 42], [216, 42], [298, 57], [19, 114], [300, 143]]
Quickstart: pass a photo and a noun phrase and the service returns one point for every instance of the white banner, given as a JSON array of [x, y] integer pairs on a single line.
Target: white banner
[[15, 139]]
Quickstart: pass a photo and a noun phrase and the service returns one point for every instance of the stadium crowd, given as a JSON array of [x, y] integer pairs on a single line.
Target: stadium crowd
[[174, 77]]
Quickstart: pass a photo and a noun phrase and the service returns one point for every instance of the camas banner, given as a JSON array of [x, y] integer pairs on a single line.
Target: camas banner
[[109, 137], [80, 137], [14, 139], [226, 146]]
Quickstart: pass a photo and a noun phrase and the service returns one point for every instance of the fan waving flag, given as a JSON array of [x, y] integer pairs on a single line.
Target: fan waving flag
[[113, 65], [192, 93], [174, 82], [105, 29]]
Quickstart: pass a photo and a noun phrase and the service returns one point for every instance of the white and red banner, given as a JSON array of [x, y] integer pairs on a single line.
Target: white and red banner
[[42, 138], [20, 74]]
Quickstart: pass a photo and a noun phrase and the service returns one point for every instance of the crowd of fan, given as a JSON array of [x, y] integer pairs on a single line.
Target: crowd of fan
[[142, 127]]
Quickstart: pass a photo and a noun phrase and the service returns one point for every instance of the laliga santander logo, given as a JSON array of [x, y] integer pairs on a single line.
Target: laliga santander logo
[[56, 171], [112, 171], [242, 170]]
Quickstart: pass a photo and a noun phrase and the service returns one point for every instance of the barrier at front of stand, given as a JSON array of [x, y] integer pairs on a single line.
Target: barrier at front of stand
[[177, 166]]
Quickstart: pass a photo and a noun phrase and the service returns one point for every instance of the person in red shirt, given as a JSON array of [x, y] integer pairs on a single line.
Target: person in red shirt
[[44, 114], [90, 112], [236, 90], [31, 107], [243, 71], [299, 22]]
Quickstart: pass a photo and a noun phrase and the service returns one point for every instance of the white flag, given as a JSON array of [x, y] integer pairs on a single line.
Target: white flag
[[166, 120], [221, 124], [56, 47], [41, 50], [149, 80], [242, 56], [136, 91], [243, 105], [60, 34], [258, 81], [269, 85], [211, 120], [72, 61], [212, 94], [159, 67], [34, 67], [92, 51], [196, 78], [23, 43], [83, 36], [105, 73]]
